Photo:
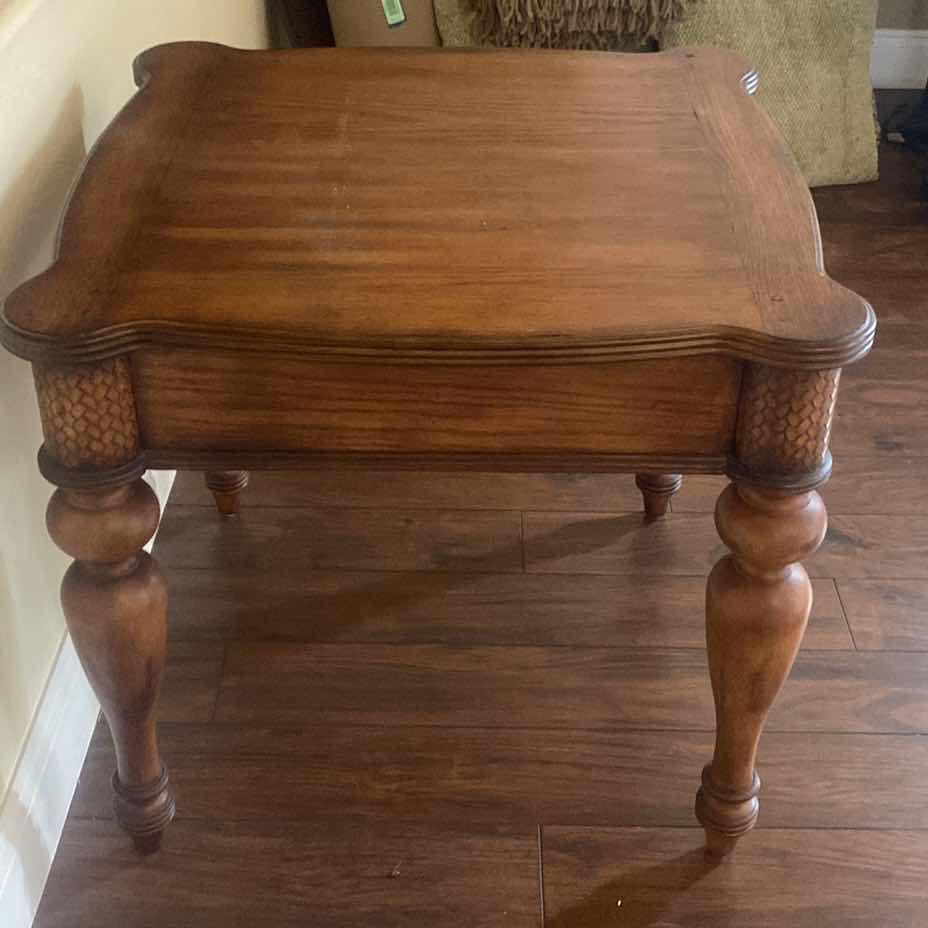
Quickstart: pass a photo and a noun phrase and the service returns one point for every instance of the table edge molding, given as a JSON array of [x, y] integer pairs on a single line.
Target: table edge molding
[[744, 344]]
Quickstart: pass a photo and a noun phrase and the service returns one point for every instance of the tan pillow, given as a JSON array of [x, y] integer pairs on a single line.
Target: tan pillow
[[814, 64], [456, 26], [454, 19]]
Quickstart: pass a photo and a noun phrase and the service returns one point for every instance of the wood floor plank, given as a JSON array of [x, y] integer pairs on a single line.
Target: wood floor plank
[[687, 543], [423, 490], [875, 484], [889, 615], [556, 542], [191, 681], [900, 250], [853, 879], [546, 688], [902, 334], [873, 546], [354, 539], [487, 778], [617, 543], [460, 608], [864, 208], [329, 873], [877, 414]]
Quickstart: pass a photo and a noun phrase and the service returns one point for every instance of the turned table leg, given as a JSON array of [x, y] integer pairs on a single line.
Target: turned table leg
[[757, 604], [226, 487], [115, 603], [656, 489]]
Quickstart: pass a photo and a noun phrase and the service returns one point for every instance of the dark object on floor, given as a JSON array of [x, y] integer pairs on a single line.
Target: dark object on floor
[[299, 24], [908, 125]]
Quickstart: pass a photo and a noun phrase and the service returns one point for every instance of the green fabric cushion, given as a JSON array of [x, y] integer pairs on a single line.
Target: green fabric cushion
[[814, 64]]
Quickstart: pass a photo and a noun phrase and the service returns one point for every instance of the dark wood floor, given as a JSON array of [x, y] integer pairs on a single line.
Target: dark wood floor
[[482, 700]]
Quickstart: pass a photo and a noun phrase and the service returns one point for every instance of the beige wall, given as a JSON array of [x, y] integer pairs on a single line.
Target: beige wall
[[903, 14], [64, 71]]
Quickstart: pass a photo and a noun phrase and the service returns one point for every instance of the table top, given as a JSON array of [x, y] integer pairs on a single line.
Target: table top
[[485, 204]]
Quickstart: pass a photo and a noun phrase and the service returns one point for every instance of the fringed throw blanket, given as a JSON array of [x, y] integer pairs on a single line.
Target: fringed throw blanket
[[596, 24]]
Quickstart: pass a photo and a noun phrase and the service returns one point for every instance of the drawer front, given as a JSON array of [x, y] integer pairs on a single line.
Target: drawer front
[[191, 400]]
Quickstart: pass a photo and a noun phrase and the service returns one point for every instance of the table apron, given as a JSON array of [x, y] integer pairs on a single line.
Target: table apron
[[225, 403]]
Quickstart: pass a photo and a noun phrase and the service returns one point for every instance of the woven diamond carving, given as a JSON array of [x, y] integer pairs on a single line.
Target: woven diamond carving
[[88, 413], [784, 421]]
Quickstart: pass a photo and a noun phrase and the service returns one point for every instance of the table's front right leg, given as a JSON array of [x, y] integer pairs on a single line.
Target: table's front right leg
[[757, 604], [759, 597]]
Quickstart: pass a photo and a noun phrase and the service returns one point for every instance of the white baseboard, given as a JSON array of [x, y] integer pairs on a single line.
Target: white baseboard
[[36, 804], [900, 59]]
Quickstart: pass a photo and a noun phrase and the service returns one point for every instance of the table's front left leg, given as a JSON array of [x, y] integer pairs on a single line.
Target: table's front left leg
[[114, 596], [115, 603]]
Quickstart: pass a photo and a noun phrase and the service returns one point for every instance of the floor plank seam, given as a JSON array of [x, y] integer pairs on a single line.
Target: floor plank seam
[[327, 508], [334, 508], [507, 645], [441, 823], [220, 684], [528, 729], [631, 577], [847, 620], [300, 643], [541, 876], [320, 724]]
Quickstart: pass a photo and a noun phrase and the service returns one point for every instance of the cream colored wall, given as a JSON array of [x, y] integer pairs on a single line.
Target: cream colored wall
[[64, 71], [903, 14]]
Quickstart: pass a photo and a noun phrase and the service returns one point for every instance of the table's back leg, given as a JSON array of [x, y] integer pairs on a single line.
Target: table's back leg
[[226, 487], [656, 489]]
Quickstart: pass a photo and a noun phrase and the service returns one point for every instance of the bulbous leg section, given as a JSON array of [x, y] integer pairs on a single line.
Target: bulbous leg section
[[226, 487], [115, 603], [758, 601], [656, 490]]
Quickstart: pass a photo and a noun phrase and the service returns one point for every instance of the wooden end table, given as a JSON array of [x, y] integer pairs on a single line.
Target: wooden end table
[[486, 260]]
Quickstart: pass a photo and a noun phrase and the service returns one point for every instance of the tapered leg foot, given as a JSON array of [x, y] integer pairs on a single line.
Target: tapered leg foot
[[226, 487], [757, 604], [115, 603], [144, 810], [726, 815], [657, 489]]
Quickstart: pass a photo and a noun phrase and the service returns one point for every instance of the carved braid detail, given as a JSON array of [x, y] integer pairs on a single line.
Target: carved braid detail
[[784, 419], [88, 413]]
